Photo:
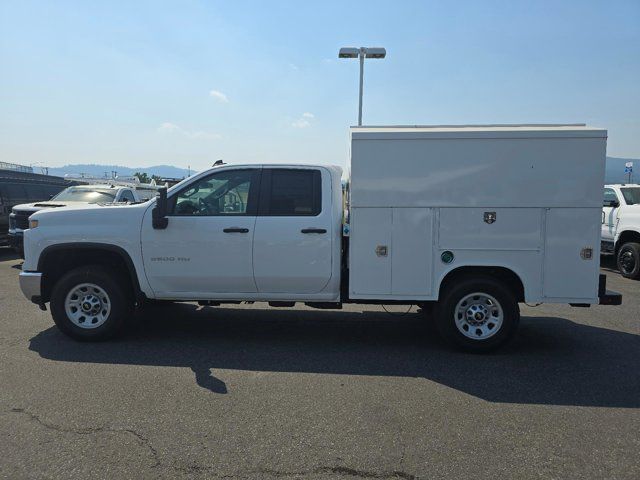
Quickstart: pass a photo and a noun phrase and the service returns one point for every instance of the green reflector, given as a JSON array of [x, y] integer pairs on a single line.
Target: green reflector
[[447, 257]]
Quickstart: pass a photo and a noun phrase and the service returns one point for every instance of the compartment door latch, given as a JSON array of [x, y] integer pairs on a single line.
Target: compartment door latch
[[490, 217]]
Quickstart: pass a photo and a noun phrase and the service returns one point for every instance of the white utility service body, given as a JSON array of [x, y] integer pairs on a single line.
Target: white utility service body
[[469, 220], [424, 191]]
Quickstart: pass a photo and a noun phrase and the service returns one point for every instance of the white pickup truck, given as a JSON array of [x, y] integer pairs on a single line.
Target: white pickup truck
[[621, 227], [461, 219]]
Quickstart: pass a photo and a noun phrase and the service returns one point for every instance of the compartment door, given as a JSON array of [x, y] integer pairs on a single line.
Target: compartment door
[[369, 267], [566, 274], [412, 253]]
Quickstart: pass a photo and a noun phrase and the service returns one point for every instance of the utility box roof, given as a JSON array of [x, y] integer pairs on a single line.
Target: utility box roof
[[484, 166], [477, 131]]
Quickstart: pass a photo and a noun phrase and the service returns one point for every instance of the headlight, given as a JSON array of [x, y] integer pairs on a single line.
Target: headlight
[[33, 224]]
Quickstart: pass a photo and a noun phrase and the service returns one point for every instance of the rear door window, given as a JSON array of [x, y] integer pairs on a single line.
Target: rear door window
[[290, 192]]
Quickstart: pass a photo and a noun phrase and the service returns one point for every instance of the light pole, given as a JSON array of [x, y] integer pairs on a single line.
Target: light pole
[[362, 53]]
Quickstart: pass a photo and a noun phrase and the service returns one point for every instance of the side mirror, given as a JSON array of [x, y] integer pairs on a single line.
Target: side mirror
[[159, 213], [611, 203]]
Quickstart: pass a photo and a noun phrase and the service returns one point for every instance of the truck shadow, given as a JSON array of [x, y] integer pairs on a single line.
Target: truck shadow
[[553, 361], [7, 253]]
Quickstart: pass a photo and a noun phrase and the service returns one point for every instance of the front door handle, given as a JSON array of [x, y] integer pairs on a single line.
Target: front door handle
[[313, 230], [235, 230]]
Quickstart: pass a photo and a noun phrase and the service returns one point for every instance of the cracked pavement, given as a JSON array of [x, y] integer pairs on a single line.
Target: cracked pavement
[[251, 392]]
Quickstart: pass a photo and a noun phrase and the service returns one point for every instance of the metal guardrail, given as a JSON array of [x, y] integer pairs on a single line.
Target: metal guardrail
[[14, 167]]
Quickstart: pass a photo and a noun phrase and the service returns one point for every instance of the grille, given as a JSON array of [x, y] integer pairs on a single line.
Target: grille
[[22, 219]]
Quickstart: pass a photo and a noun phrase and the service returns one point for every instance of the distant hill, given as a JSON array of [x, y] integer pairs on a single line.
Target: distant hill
[[94, 170], [614, 170]]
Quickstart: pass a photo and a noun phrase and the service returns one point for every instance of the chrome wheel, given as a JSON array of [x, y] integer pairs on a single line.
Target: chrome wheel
[[478, 316], [87, 305]]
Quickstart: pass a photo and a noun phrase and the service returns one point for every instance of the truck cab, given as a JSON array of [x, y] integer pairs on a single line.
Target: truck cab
[[621, 227], [274, 230]]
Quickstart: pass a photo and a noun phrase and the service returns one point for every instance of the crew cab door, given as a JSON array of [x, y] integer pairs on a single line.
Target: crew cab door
[[610, 214], [206, 248], [292, 251]]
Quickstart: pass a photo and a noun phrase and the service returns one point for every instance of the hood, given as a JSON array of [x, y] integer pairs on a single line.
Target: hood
[[34, 207], [87, 211]]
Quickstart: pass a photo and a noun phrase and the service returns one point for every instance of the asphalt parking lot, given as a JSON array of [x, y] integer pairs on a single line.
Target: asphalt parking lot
[[253, 392]]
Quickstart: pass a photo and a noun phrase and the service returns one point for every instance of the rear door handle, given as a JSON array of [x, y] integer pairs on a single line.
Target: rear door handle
[[235, 230], [313, 230]]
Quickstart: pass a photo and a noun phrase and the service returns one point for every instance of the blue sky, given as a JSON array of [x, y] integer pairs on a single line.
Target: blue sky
[[140, 83]]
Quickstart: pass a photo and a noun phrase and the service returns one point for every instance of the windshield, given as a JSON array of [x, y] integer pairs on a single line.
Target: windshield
[[75, 194], [631, 195]]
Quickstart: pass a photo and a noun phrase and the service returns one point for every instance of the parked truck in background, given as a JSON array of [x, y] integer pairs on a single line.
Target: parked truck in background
[[621, 227], [20, 185], [462, 221], [78, 194]]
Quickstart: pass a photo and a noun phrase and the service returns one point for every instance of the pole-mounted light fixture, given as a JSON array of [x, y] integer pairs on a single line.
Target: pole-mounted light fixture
[[362, 53]]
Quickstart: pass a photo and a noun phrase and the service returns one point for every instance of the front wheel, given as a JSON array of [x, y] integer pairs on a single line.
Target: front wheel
[[628, 260], [89, 303], [478, 314]]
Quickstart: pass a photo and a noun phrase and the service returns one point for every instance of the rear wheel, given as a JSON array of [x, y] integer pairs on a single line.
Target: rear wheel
[[478, 314], [89, 303], [628, 260]]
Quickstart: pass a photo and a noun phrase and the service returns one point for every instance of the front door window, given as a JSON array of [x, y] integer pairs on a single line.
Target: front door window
[[219, 194]]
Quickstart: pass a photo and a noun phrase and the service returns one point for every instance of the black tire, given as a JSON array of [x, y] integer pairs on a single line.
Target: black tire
[[628, 260], [427, 309], [120, 302], [445, 313]]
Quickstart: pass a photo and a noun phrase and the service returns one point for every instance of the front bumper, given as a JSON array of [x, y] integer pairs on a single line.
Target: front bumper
[[31, 286]]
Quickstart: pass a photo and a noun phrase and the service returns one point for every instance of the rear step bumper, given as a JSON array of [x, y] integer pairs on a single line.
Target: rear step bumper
[[607, 297]]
